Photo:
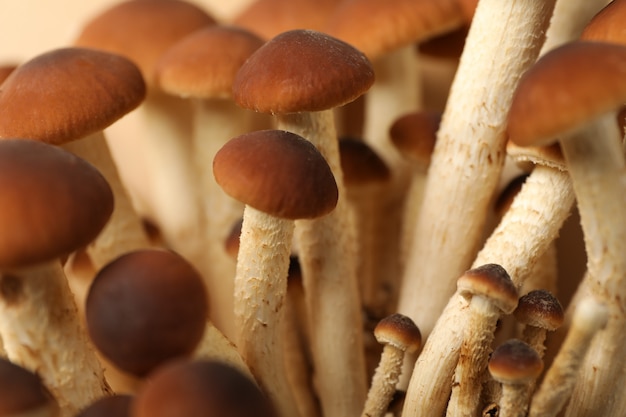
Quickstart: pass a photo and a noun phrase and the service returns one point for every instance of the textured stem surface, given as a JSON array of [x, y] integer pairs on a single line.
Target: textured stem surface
[[384, 382], [503, 41]]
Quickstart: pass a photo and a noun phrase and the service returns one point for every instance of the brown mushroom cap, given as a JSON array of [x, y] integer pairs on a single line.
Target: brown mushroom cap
[[277, 172], [143, 30], [399, 331], [23, 393], [204, 63], [539, 308], [490, 281], [52, 202], [414, 135], [608, 25], [146, 307], [377, 27], [302, 70], [567, 87], [360, 163], [515, 362], [68, 93], [117, 405], [6, 70], [200, 388]]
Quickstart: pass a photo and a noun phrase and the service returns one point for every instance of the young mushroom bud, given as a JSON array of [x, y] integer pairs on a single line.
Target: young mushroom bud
[[516, 365], [540, 312], [399, 334], [23, 393], [146, 307]]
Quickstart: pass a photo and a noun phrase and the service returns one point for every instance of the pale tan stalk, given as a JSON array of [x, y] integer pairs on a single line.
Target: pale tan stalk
[[124, 231], [41, 331], [384, 382], [327, 253], [260, 289], [172, 179], [589, 318], [503, 41], [598, 173], [215, 122], [536, 214]]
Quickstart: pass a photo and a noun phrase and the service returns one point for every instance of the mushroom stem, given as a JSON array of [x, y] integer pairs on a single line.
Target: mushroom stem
[[124, 231], [598, 173], [327, 253], [261, 287], [384, 382], [503, 41], [41, 331], [537, 213], [589, 318]]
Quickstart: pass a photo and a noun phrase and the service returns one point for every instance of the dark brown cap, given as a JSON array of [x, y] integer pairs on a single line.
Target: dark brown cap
[[204, 63], [52, 202], [68, 93], [515, 362], [490, 281], [142, 30], [360, 163], [567, 87], [400, 332], [539, 308], [277, 172], [302, 70], [146, 307], [200, 388], [23, 393], [117, 405]]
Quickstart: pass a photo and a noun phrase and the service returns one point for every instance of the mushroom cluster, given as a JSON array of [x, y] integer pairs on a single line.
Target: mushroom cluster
[[331, 208]]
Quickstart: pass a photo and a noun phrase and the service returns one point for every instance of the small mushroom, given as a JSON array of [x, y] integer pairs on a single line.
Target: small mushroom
[[516, 365], [24, 393], [399, 334], [491, 293], [539, 312]]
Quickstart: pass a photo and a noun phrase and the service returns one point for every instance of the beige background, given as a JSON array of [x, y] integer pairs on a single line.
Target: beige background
[[31, 27]]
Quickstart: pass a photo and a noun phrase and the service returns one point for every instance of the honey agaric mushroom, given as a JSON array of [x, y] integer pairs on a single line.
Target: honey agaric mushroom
[[144, 308], [491, 293], [587, 101], [200, 388], [201, 68], [53, 203], [67, 97], [117, 405], [141, 31], [398, 334], [504, 39], [279, 176], [516, 365], [24, 393], [300, 76], [588, 319]]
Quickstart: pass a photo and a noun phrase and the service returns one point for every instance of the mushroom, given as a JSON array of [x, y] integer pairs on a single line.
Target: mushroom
[[67, 97], [539, 312], [201, 68], [299, 184], [516, 365], [398, 334], [588, 319], [24, 393], [200, 388], [144, 308], [300, 76], [141, 31], [596, 164], [53, 203], [491, 293], [608, 24]]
